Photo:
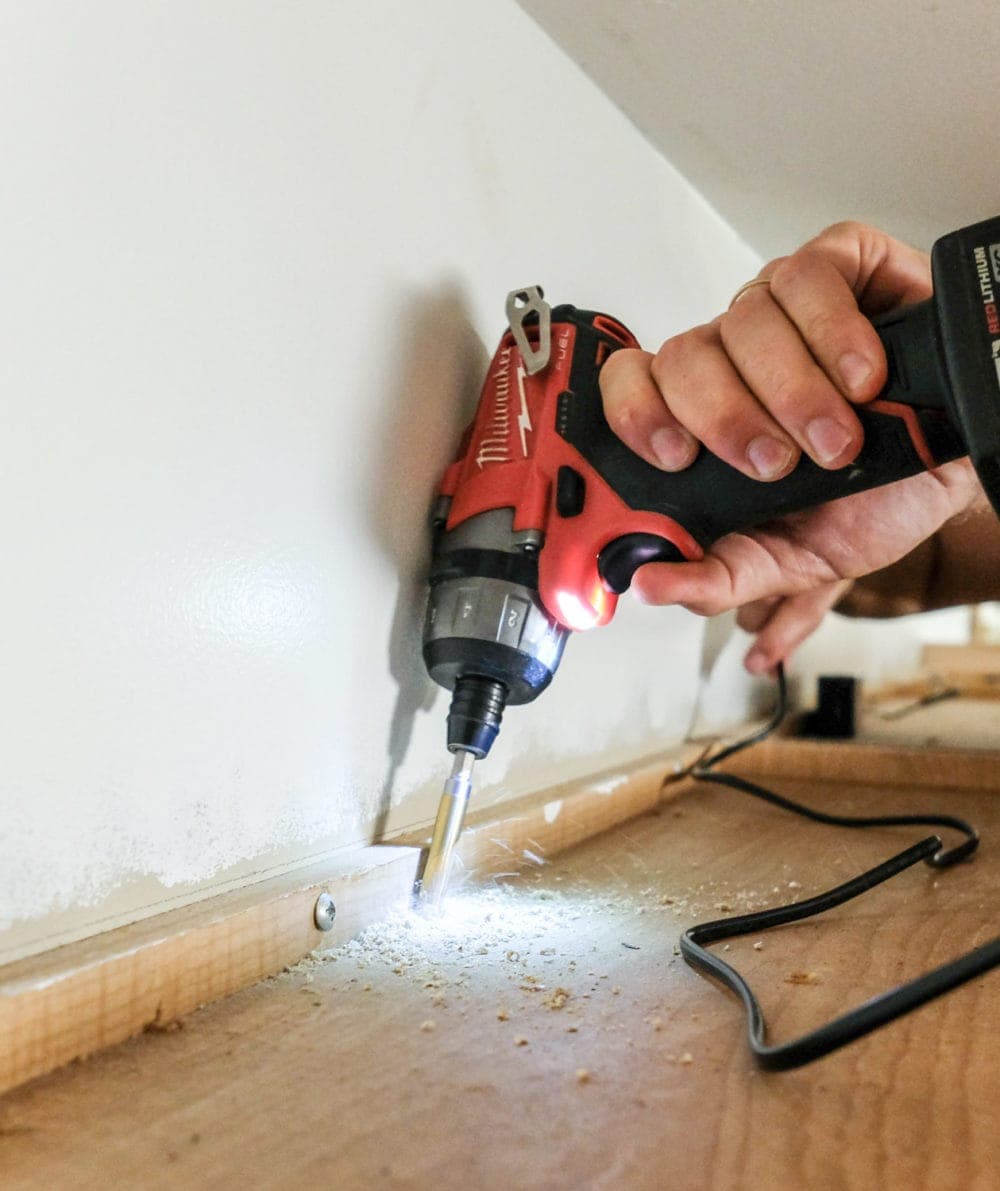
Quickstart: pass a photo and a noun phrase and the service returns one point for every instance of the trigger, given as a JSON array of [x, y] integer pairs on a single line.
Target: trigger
[[620, 559]]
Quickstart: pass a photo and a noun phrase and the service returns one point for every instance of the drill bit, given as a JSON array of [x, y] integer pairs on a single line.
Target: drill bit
[[447, 829]]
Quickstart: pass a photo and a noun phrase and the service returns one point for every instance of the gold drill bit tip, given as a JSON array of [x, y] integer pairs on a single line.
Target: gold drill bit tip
[[447, 829]]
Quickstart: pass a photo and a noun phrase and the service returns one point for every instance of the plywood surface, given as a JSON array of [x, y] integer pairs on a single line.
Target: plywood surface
[[545, 1035]]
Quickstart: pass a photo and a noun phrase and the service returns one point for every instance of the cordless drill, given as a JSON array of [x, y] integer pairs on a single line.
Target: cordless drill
[[545, 515]]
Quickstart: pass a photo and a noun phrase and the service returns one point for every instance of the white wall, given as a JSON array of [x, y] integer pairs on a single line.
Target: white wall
[[875, 651], [254, 258]]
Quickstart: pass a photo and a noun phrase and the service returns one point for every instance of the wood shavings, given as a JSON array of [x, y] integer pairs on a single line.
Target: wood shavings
[[758, 946], [520, 1041], [557, 998], [802, 978], [582, 1075], [428, 1027], [503, 1015]]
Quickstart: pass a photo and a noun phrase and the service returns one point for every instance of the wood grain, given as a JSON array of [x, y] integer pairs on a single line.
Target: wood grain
[[876, 764], [417, 1060], [74, 1000]]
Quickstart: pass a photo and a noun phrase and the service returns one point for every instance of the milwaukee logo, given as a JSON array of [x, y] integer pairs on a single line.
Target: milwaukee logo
[[496, 445], [994, 251]]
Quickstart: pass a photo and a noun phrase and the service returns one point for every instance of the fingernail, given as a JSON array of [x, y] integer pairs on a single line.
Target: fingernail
[[855, 371], [673, 448], [828, 438], [768, 456]]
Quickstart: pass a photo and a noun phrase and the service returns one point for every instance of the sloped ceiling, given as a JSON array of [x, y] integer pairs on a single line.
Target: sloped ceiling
[[788, 116]]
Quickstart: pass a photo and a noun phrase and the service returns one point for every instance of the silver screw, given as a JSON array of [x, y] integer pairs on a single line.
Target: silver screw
[[325, 912]]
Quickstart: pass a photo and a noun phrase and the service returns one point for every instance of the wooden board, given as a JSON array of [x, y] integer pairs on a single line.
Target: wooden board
[[444, 1055], [76, 999], [961, 659], [877, 764]]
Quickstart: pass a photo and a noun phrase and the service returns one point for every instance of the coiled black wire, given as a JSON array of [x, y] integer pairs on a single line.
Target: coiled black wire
[[878, 1011]]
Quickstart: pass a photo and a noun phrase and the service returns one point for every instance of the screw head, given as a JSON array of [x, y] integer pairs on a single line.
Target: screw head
[[325, 912]]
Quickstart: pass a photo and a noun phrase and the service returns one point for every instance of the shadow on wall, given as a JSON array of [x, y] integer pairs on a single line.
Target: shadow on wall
[[441, 366]]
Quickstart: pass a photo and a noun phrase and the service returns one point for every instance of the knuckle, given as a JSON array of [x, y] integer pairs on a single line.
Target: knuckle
[[680, 361], [676, 351], [789, 391], [790, 271], [617, 369], [824, 326], [668, 359], [626, 415], [725, 431], [782, 267], [844, 231], [624, 383], [773, 266], [708, 606]]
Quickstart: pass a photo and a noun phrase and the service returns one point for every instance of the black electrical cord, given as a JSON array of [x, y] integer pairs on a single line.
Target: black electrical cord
[[876, 1012]]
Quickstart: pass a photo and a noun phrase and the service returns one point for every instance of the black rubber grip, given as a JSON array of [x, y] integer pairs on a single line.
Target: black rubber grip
[[710, 498]]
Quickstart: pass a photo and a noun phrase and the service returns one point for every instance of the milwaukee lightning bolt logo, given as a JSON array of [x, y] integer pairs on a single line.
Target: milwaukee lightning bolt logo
[[523, 418], [496, 433]]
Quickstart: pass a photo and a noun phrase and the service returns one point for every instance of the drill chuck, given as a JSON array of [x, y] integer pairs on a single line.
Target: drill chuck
[[477, 706], [487, 636]]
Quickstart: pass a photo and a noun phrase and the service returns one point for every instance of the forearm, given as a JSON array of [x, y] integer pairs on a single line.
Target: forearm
[[960, 564]]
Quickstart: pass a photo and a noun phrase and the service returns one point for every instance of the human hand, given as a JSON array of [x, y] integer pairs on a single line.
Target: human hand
[[781, 623], [776, 375], [786, 575]]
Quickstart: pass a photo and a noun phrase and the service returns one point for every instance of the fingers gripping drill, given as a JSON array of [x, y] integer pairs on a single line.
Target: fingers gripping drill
[[545, 515]]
